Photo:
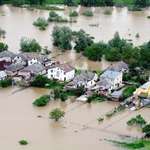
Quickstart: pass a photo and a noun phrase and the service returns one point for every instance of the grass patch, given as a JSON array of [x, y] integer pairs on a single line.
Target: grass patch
[[23, 142], [44, 7], [135, 145]]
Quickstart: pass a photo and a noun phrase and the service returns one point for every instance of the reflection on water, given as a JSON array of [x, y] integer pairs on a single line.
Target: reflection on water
[[18, 22], [79, 129]]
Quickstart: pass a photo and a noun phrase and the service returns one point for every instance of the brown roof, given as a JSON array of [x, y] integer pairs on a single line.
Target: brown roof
[[66, 67]]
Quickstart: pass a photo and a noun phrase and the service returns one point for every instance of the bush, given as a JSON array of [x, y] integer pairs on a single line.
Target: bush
[[87, 13], [73, 14], [53, 14], [39, 81], [42, 101], [6, 83], [23, 142], [42, 23], [2, 32], [63, 96], [137, 35], [119, 4], [134, 8], [148, 17], [107, 12], [18, 3], [29, 45]]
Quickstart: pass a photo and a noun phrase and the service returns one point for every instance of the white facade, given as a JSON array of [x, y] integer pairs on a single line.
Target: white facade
[[60, 74], [7, 59], [32, 61], [113, 77], [19, 60]]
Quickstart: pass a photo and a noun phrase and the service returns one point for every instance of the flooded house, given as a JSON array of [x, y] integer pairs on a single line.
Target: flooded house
[[119, 67], [62, 72], [8, 56], [86, 79], [3, 75], [113, 77], [13, 69]]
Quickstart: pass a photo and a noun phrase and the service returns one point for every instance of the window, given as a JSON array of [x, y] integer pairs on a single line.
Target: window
[[51, 75], [64, 73], [51, 70]]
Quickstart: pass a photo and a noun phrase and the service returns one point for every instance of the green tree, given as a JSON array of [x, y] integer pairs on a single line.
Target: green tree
[[39, 81], [3, 47], [56, 93], [42, 101], [6, 83], [146, 130], [56, 114], [63, 96], [18, 3], [141, 3], [93, 53], [1, 2], [119, 4]]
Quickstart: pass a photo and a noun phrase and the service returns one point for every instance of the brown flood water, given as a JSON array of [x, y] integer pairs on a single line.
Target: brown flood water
[[79, 129], [18, 22]]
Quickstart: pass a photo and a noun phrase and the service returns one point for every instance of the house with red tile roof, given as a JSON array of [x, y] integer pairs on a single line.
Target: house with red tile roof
[[62, 72]]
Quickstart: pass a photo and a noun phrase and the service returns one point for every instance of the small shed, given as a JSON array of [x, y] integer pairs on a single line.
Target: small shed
[[3, 75]]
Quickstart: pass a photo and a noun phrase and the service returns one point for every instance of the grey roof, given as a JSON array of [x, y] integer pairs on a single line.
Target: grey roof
[[24, 56], [116, 93], [7, 54], [40, 57], [35, 68], [110, 74], [2, 74], [103, 82], [88, 76], [15, 67], [118, 66], [145, 86]]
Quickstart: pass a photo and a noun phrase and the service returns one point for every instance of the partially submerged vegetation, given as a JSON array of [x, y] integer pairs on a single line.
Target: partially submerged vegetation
[[134, 145], [23, 142], [107, 11], [42, 101], [87, 13], [6, 83], [42, 23], [73, 14]]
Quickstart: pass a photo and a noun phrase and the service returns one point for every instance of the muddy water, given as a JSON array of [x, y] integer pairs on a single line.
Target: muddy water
[[18, 22], [79, 129]]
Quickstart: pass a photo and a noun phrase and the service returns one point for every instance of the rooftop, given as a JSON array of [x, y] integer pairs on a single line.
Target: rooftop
[[145, 86], [110, 74]]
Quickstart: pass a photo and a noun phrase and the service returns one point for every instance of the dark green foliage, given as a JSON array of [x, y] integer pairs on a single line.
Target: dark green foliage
[[93, 53], [73, 14], [138, 120], [78, 92], [6, 82], [107, 11], [43, 7], [119, 4], [140, 3], [129, 91], [56, 114], [110, 114], [42, 101], [1, 2], [18, 3], [90, 3], [42, 23], [2, 32], [62, 37], [82, 40], [63, 96], [3, 47], [52, 14], [146, 130], [148, 17], [126, 77], [87, 13], [29, 45], [23, 142], [100, 119], [39, 81], [56, 93], [89, 99], [134, 8], [70, 3]]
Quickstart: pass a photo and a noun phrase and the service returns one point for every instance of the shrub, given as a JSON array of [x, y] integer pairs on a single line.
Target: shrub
[[73, 14], [6, 83], [42, 23], [148, 17], [137, 35], [107, 12], [119, 4], [134, 8], [2, 32], [53, 14], [29, 45], [100, 119], [23, 142], [63, 96], [42, 101], [87, 13]]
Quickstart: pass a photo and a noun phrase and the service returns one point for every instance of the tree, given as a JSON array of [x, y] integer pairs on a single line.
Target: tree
[[146, 130], [63, 96], [39, 81], [18, 3], [140, 3], [42, 101], [56, 93], [56, 114], [1, 2], [93, 53], [3, 47]]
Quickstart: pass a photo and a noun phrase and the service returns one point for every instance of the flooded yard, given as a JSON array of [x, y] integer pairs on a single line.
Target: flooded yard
[[79, 129]]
